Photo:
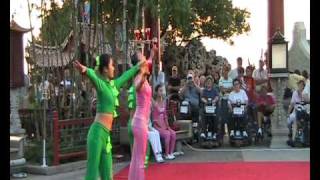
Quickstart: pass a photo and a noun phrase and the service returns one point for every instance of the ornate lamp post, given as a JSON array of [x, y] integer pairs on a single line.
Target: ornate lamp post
[[279, 54], [278, 61]]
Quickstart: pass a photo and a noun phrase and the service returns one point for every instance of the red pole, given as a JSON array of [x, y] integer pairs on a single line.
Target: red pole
[[56, 139], [275, 21], [275, 17]]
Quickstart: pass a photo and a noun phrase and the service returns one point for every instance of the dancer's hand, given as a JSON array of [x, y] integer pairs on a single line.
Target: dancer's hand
[[81, 68], [141, 58], [154, 51]]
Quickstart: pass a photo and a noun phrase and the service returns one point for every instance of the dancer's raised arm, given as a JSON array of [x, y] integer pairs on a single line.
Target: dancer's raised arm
[[126, 76], [90, 73]]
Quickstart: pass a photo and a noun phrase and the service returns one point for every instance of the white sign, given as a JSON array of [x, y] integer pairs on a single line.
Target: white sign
[[238, 110], [279, 56], [210, 109], [184, 109]]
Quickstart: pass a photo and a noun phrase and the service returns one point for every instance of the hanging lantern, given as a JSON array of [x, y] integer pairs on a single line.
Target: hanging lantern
[[148, 33], [137, 34]]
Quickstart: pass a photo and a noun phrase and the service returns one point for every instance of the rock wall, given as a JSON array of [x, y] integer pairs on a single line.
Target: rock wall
[[191, 56]]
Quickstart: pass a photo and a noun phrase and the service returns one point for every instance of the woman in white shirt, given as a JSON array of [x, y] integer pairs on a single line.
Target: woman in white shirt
[[236, 95], [297, 97]]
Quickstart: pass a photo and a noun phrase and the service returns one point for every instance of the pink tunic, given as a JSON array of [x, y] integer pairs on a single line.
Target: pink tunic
[[140, 131], [161, 118], [160, 115]]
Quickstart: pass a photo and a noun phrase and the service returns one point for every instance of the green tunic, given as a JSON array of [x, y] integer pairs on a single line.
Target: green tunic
[[108, 90]]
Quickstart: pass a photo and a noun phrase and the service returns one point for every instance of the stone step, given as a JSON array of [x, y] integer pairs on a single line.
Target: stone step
[[18, 162], [16, 147], [13, 150], [17, 165], [17, 169], [15, 154], [16, 141]]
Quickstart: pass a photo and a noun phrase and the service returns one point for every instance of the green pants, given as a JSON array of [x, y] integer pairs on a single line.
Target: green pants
[[99, 153], [130, 133]]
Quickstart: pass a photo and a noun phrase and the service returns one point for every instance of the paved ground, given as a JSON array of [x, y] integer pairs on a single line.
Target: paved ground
[[276, 151]]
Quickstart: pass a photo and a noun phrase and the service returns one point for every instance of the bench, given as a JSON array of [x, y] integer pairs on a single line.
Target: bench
[[184, 133]]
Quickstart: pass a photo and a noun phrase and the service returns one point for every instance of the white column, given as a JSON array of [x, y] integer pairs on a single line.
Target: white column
[[15, 123], [279, 117]]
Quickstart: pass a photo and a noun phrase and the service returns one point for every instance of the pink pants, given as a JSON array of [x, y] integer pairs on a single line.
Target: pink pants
[[169, 139], [136, 170]]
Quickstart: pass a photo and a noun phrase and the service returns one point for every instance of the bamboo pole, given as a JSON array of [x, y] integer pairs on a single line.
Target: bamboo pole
[[143, 26], [136, 19], [95, 27], [44, 163], [34, 58], [89, 39], [124, 26], [159, 44], [76, 42], [102, 29]]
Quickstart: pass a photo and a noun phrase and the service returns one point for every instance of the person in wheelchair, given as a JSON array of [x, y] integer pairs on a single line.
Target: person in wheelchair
[[191, 92], [226, 86], [297, 98], [266, 105], [209, 97], [238, 97], [252, 95]]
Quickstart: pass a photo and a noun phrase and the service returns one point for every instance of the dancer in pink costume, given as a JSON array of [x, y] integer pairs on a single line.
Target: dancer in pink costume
[[140, 123]]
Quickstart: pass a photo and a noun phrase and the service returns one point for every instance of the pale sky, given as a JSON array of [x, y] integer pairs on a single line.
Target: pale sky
[[246, 45], [249, 46]]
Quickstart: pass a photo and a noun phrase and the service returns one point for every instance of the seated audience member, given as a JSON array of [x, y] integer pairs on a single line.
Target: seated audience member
[[293, 80], [266, 105], [160, 120], [260, 75], [191, 93], [154, 139], [174, 84], [306, 90], [234, 73], [209, 92], [296, 98], [226, 86], [236, 95], [216, 79], [202, 81]]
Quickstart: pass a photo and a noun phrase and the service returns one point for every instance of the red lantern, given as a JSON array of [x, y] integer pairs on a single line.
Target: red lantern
[[137, 34], [148, 33]]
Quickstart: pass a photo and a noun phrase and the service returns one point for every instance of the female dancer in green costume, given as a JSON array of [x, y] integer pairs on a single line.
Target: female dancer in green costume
[[99, 153]]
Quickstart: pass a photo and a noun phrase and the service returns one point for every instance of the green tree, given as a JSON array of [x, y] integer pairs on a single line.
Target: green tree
[[189, 19], [181, 20], [57, 22]]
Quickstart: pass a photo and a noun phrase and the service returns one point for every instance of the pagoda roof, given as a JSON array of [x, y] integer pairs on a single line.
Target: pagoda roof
[[52, 54], [15, 27]]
